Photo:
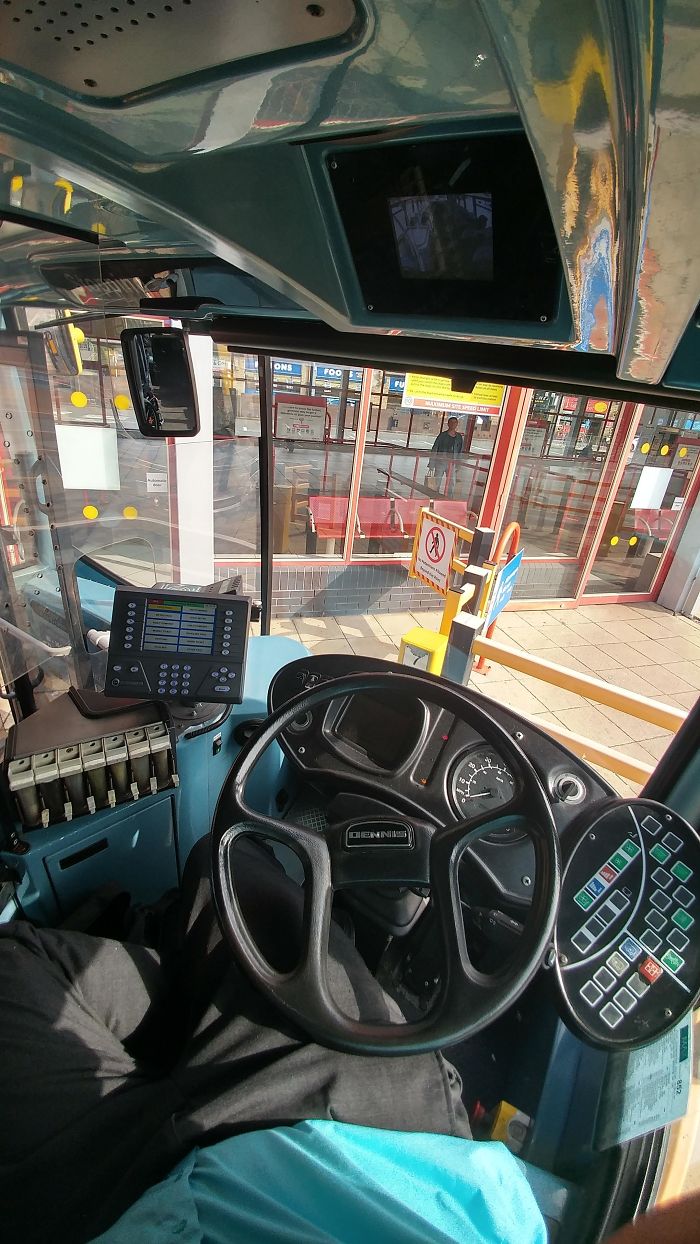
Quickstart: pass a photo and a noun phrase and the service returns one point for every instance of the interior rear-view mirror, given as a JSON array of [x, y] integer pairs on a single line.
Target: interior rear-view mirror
[[161, 381]]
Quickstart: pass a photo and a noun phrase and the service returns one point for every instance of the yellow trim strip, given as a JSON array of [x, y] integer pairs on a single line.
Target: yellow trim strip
[[584, 684]]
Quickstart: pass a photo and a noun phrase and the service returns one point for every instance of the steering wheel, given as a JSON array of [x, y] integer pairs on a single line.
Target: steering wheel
[[426, 855]]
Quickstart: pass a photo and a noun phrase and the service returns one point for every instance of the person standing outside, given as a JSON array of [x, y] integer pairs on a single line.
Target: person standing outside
[[447, 446]]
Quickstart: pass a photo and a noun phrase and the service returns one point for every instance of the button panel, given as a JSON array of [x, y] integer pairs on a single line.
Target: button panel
[[631, 957]]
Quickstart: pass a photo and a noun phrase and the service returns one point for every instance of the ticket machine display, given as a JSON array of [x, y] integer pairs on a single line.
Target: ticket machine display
[[172, 645]]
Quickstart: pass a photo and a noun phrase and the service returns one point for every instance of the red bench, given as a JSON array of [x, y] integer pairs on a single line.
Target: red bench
[[378, 518]]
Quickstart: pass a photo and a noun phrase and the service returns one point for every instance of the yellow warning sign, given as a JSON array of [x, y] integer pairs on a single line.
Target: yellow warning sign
[[436, 393]]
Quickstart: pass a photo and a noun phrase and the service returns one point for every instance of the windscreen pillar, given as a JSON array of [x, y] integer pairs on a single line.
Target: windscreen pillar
[[193, 554]]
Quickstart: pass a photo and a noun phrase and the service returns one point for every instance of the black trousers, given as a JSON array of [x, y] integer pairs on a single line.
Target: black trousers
[[117, 1060]]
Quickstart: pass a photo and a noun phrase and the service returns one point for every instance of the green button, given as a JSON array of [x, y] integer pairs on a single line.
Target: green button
[[660, 854], [682, 919], [630, 848], [618, 861], [672, 961], [681, 871], [583, 899]]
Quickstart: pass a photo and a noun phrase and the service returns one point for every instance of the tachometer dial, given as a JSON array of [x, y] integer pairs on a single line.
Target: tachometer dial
[[481, 783]]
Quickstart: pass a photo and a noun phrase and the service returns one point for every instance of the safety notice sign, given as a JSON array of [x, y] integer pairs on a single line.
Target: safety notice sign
[[433, 551]]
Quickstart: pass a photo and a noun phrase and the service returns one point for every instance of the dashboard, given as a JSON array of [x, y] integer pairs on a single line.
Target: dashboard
[[434, 765]]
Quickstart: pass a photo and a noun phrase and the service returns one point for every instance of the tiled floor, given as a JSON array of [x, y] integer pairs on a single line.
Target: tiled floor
[[642, 648]]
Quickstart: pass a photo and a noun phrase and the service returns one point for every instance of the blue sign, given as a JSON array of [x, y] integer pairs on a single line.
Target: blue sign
[[281, 367], [335, 374], [504, 586], [397, 384]]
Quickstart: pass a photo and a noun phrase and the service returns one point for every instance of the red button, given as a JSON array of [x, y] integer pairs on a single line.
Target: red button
[[650, 971], [607, 873]]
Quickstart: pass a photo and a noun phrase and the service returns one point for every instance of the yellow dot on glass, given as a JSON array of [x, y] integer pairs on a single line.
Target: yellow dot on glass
[[633, 541], [130, 511], [90, 511], [600, 407], [683, 451], [122, 402], [664, 450], [645, 447], [78, 399], [16, 183], [615, 540], [98, 227]]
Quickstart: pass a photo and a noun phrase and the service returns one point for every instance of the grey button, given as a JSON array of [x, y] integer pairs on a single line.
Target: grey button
[[591, 993], [662, 878], [220, 688], [625, 1000], [651, 940], [127, 646], [187, 668], [604, 979], [672, 841], [117, 669], [611, 1016], [638, 985], [582, 940], [617, 964], [661, 900], [607, 913], [164, 666], [595, 927], [133, 669], [618, 900], [656, 920], [683, 896], [677, 939], [651, 825]]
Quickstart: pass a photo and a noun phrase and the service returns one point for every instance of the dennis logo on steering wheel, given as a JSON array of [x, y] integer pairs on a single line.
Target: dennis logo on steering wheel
[[379, 836]]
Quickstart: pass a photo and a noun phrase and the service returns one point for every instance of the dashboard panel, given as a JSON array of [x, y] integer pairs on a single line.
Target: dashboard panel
[[433, 765]]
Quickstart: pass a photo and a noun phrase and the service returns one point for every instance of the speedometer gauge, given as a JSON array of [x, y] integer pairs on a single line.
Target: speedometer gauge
[[481, 783]]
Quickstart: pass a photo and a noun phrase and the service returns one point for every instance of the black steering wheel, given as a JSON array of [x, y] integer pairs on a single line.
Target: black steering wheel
[[420, 854]]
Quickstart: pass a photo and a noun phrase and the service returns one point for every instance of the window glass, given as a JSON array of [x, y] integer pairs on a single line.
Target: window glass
[[558, 470], [236, 486], [424, 447], [314, 419], [646, 508]]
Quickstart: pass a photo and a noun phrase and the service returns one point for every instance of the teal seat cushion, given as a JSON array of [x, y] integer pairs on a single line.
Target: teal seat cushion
[[321, 1181]]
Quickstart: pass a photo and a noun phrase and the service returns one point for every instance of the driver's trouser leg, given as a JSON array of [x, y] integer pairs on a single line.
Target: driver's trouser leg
[[80, 1119], [245, 1066]]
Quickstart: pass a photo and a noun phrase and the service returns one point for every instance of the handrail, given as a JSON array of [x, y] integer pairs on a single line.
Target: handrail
[[638, 706]]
